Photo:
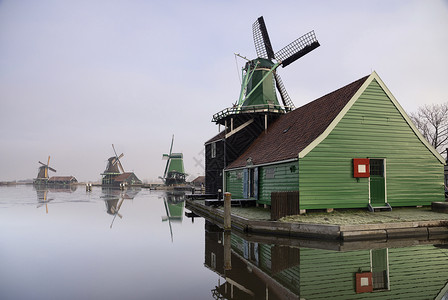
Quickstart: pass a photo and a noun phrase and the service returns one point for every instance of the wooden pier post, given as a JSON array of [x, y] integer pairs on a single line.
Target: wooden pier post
[[227, 250], [227, 214]]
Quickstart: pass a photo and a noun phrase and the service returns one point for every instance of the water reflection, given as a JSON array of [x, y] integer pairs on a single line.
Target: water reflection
[[174, 203], [263, 270], [114, 198], [45, 193]]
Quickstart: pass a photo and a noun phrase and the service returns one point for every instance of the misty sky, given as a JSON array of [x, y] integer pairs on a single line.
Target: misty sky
[[78, 76]]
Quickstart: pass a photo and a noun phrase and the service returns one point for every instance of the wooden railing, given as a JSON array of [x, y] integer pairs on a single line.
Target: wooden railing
[[269, 108]]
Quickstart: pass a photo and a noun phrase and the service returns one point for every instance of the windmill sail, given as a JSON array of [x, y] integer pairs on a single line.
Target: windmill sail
[[297, 49], [287, 102], [261, 38], [42, 175]]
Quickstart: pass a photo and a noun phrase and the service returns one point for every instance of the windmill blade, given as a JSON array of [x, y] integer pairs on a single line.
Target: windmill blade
[[51, 169], [297, 49], [46, 202], [169, 157], [168, 216], [120, 166], [115, 212], [166, 167], [42, 163], [118, 159], [114, 150], [287, 102], [172, 142], [261, 39], [47, 166]]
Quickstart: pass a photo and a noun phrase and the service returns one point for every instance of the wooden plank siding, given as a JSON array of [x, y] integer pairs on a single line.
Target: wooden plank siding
[[284, 178], [284, 204], [414, 273], [288, 276], [234, 183], [214, 164], [372, 128]]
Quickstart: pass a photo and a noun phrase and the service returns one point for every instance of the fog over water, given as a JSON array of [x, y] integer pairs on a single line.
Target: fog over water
[[78, 76]]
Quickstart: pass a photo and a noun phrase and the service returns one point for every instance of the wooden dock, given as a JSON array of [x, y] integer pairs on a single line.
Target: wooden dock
[[422, 230]]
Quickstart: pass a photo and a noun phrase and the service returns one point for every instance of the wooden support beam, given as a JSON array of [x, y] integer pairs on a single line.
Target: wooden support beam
[[242, 126]]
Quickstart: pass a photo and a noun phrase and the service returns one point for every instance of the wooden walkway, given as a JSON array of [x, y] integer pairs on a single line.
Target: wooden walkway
[[421, 230]]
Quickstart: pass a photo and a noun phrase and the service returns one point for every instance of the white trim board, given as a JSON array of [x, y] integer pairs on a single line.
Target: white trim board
[[329, 129]]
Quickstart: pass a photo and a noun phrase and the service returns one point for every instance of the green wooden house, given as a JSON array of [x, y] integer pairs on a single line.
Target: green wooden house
[[351, 148]]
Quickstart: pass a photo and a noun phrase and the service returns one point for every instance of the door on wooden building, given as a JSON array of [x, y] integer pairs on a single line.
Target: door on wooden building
[[377, 182], [250, 183], [379, 265]]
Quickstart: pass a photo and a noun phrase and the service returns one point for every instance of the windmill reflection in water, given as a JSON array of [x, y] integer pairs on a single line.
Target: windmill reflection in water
[[114, 198], [174, 207]]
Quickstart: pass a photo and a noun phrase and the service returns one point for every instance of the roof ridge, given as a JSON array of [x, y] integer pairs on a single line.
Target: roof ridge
[[294, 131]]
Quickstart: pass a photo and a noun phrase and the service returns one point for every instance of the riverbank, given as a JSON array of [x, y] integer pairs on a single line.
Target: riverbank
[[344, 225]]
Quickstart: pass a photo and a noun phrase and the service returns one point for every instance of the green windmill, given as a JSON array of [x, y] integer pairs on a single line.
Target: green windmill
[[174, 170], [258, 105], [260, 77]]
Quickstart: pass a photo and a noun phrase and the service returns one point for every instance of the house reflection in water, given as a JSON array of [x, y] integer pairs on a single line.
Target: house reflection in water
[[43, 193], [269, 271]]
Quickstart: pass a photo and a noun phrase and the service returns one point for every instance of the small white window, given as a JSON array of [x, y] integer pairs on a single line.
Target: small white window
[[362, 169]]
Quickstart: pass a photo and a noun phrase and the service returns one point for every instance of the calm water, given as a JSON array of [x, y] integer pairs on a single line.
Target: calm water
[[64, 244], [79, 251]]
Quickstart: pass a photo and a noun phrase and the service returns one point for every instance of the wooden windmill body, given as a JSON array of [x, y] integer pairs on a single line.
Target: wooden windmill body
[[113, 169], [43, 173]]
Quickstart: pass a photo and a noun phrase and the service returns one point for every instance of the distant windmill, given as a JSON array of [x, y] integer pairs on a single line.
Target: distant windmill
[[42, 175], [113, 168], [174, 170]]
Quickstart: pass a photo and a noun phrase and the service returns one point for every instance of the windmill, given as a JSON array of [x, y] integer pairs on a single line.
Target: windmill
[[258, 104], [174, 170], [113, 168], [260, 77], [42, 175]]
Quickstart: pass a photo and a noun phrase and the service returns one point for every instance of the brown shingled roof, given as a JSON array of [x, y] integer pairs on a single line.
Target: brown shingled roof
[[217, 137], [123, 176], [61, 178], [294, 131]]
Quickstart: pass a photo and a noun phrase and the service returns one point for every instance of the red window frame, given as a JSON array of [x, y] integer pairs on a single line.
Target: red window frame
[[357, 162], [366, 288]]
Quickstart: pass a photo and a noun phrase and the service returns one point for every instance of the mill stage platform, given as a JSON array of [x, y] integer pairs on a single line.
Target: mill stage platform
[[421, 230]]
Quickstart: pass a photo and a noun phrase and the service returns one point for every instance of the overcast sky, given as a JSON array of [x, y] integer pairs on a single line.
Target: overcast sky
[[78, 76]]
